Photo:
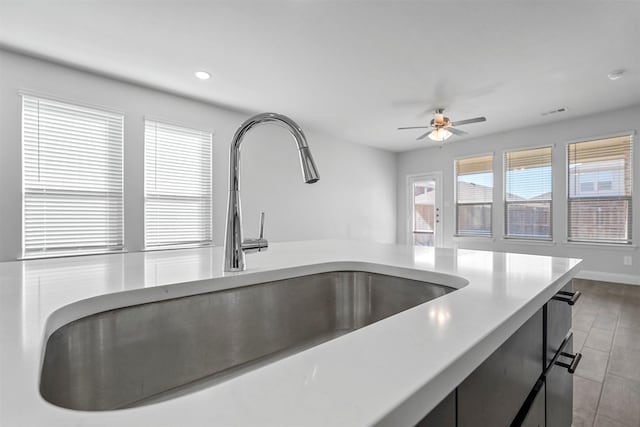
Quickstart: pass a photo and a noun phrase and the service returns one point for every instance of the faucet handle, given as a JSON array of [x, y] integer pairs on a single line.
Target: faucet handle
[[256, 245]]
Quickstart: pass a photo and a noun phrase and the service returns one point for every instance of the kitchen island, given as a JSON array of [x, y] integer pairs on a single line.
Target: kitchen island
[[392, 372]]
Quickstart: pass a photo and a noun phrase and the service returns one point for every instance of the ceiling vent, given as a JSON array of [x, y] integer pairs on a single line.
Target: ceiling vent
[[559, 110]]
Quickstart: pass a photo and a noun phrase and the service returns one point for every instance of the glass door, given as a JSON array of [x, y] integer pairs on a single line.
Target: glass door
[[424, 215]]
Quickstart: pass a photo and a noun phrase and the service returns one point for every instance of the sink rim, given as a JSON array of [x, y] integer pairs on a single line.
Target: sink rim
[[127, 298], [187, 388]]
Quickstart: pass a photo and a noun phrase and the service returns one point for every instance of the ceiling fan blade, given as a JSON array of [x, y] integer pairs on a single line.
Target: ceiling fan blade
[[423, 136], [414, 127], [466, 122], [456, 131]]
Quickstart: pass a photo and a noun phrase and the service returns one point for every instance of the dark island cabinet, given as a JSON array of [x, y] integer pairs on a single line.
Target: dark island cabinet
[[443, 415], [526, 382], [494, 393]]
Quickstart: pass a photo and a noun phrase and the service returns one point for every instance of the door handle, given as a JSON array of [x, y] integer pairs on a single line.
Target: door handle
[[575, 358], [568, 297], [575, 361]]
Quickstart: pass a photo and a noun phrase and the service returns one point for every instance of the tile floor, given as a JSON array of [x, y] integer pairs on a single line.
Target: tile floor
[[606, 330]]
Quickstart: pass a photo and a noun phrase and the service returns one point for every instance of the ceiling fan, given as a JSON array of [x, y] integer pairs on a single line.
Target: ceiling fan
[[442, 127]]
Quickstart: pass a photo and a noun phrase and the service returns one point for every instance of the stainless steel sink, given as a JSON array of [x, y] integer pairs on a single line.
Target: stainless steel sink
[[142, 354]]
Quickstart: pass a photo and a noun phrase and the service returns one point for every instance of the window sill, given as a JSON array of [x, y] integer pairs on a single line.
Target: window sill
[[616, 246], [70, 255], [177, 247], [459, 237], [533, 242]]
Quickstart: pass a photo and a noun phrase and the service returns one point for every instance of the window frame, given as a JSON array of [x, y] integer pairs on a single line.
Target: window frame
[[456, 233], [506, 236], [79, 251], [630, 242], [174, 124], [439, 223]]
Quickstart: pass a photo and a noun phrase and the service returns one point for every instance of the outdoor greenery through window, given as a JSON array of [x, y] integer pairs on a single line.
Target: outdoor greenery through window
[[599, 178], [474, 195], [528, 193]]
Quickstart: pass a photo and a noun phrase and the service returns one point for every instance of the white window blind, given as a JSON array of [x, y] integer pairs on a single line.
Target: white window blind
[[178, 192], [71, 178], [528, 193], [599, 203], [474, 195]]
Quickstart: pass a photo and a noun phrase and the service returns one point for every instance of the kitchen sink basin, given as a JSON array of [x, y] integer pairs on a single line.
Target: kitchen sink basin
[[150, 352]]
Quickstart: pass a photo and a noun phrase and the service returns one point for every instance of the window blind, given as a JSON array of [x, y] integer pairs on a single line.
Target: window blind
[[178, 192], [71, 179], [599, 196], [528, 193], [474, 195]]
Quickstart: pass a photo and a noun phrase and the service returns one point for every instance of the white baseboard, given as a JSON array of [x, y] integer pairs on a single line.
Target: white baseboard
[[627, 279]]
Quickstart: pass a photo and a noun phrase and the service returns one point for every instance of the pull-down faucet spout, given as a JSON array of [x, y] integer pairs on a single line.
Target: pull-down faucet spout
[[235, 246]]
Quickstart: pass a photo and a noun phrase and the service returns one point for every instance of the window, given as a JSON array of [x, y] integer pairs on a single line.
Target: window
[[528, 193], [71, 179], [605, 185], [177, 186], [586, 187], [474, 195], [600, 190]]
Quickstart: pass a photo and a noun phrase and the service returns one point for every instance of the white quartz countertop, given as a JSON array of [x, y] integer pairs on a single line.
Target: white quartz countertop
[[389, 373]]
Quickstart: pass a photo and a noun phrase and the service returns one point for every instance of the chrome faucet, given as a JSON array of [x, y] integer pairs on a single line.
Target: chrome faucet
[[234, 246]]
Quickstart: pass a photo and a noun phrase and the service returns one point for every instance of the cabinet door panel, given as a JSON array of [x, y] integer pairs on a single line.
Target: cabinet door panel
[[536, 415], [443, 415], [494, 393], [560, 394], [558, 323]]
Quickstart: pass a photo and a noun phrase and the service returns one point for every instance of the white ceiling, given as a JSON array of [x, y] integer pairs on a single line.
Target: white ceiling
[[354, 69]]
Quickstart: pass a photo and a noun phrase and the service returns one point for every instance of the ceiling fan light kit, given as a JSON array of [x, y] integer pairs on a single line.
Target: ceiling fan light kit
[[442, 127], [439, 134]]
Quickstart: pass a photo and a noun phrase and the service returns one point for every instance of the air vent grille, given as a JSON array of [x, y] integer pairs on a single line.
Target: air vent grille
[[559, 110]]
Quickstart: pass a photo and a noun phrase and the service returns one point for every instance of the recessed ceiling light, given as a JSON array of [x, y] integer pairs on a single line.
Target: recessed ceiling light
[[203, 75], [616, 74]]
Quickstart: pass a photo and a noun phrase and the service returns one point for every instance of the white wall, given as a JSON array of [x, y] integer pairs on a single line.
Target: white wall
[[354, 199], [600, 262]]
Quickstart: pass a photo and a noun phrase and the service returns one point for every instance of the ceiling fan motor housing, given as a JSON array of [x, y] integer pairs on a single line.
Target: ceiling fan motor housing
[[440, 120]]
